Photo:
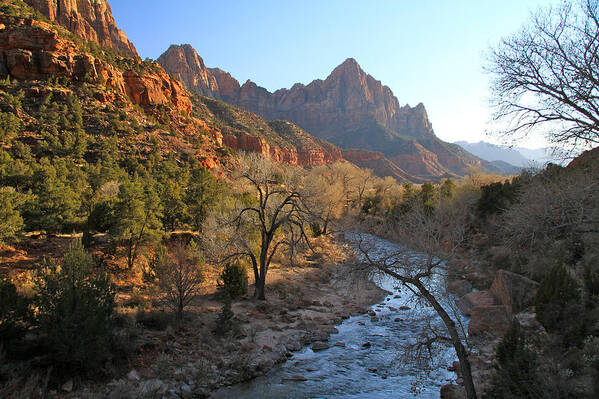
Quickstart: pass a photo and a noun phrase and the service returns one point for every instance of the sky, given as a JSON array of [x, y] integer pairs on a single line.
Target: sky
[[429, 51]]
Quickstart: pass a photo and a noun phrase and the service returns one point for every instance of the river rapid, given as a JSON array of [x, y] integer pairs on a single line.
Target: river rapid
[[369, 360]]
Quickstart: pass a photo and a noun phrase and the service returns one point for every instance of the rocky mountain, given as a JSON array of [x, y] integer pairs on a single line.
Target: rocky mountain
[[90, 19], [349, 108], [42, 59]]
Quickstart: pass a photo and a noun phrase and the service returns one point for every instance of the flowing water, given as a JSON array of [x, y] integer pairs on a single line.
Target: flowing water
[[377, 370]]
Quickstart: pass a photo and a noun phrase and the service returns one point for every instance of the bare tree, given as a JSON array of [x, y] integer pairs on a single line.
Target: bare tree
[[428, 241], [328, 197], [557, 202], [252, 228], [546, 76], [178, 276]]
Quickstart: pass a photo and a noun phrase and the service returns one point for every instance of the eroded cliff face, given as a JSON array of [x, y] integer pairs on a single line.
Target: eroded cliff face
[[299, 148], [185, 64], [90, 19], [347, 98], [349, 108], [31, 50]]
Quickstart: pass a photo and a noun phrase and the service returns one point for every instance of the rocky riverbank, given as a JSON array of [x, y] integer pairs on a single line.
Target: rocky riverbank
[[491, 312], [304, 303]]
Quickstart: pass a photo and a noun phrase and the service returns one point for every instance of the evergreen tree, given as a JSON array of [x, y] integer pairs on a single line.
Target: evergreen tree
[[201, 194], [11, 222], [75, 307], [138, 216]]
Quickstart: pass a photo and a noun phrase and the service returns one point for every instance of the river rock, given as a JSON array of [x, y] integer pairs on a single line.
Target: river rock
[[319, 346], [516, 292], [340, 344], [296, 377], [404, 308], [459, 287], [473, 299], [492, 319], [374, 319], [366, 345]]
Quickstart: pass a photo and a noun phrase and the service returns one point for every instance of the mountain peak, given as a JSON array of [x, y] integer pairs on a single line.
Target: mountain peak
[[350, 65]]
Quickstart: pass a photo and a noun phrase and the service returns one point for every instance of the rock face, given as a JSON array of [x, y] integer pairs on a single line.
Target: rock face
[[492, 319], [319, 155], [515, 292], [31, 50], [468, 302], [184, 63], [90, 19], [349, 108]]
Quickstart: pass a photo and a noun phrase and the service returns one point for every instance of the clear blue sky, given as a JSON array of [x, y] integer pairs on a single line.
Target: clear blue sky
[[425, 51]]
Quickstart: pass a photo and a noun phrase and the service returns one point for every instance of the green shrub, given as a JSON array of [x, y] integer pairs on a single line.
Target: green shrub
[[515, 375], [557, 289], [224, 321], [233, 281], [14, 312], [103, 216], [496, 197], [559, 305], [75, 311]]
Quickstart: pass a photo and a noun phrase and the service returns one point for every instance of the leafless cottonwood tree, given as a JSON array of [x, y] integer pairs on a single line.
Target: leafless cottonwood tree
[[252, 228], [546, 76], [428, 240], [178, 276]]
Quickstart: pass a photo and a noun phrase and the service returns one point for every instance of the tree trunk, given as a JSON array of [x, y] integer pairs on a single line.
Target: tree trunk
[[455, 339], [259, 289]]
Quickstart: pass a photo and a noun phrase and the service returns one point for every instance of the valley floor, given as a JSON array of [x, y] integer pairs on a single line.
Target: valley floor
[[303, 305]]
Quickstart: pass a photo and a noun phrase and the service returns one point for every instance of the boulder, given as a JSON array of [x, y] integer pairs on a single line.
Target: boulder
[[459, 287], [516, 292], [473, 299], [489, 319]]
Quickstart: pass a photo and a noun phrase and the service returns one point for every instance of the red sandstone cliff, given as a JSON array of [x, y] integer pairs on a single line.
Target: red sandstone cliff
[[90, 19], [349, 108], [32, 50]]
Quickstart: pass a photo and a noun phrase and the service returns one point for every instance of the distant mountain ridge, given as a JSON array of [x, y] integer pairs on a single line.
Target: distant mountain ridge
[[349, 108], [517, 156]]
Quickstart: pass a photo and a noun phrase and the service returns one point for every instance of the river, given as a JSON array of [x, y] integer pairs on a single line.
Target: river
[[371, 362]]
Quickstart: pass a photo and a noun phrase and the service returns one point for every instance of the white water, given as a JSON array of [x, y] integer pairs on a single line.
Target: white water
[[379, 371]]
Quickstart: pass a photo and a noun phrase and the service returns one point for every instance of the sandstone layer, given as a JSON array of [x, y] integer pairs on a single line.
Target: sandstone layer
[[349, 108], [90, 19], [31, 50]]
